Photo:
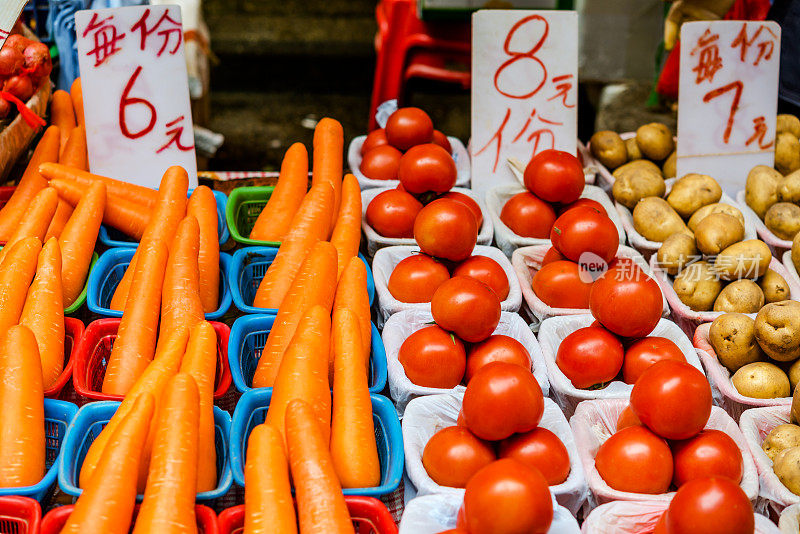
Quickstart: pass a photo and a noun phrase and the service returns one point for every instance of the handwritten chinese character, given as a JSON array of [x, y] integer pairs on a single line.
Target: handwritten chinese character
[[759, 131], [736, 86], [562, 87], [172, 28], [175, 131], [765, 48], [709, 60], [105, 38]]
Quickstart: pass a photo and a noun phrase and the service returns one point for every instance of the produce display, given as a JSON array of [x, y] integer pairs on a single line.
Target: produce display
[[24, 66], [637, 159]]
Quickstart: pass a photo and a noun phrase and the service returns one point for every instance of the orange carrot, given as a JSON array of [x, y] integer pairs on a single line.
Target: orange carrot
[[76, 93], [62, 114], [22, 440], [43, 312], [268, 507], [352, 294], [275, 219], [108, 498], [346, 235], [168, 505], [132, 192], [304, 372], [180, 296], [328, 155], [78, 239], [73, 154], [15, 276], [314, 285], [136, 337], [310, 224], [36, 219], [321, 508], [60, 217], [203, 206]]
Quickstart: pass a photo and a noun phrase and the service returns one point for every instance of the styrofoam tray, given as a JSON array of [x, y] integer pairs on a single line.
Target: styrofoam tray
[[588, 162]]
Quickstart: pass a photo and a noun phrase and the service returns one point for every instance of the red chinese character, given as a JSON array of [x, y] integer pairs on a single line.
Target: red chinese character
[[105, 38], [175, 132], [737, 86], [562, 89], [517, 56], [528, 123], [173, 27], [498, 136], [709, 60], [126, 100], [532, 137], [759, 131], [765, 47]]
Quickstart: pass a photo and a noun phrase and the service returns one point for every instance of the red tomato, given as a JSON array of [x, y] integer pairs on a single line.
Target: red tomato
[[635, 460], [555, 176], [496, 348], [710, 506], [559, 285], [552, 255], [711, 453], [539, 448], [673, 399], [441, 139], [582, 202], [590, 357], [508, 497], [432, 358], [392, 213], [627, 418], [461, 520], [528, 216], [374, 138], [581, 230], [446, 229], [453, 455], [460, 419], [661, 526], [381, 163], [626, 301], [426, 168], [408, 127], [467, 307], [502, 399], [486, 270], [644, 352], [416, 278], [469, 202]]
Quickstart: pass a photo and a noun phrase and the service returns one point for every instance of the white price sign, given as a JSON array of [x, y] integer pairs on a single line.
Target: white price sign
[[524, 89], [728, 99], [135, 91], [9, 13]]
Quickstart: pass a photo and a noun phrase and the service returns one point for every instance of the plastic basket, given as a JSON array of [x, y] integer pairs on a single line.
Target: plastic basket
[[249, 335], [252, 410], [20, 515], [56, 518], [112, 237], [94, 348], [247, 268], [244, 206], [73, 332], [110, 268], [92, 419], [58, 415]]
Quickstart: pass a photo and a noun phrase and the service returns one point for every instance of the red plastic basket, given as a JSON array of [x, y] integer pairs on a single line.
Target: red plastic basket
[[19, 515], [94, 348], [56, 518], [73, 331], [369, 515]]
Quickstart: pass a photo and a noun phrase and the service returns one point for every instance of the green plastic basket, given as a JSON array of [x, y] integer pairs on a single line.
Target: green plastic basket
[[244, 207], [82, 297]]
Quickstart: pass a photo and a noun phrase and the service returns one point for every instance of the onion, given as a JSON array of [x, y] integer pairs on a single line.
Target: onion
[[5, 108], [17, 42], [37, 60], [11, 61], [19, 86]]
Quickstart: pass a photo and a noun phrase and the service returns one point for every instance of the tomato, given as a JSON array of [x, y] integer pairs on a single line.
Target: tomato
[[582, 202], [392, 213], [539, 448], [710, 506], [644, 352], [508, 497], [661, 526], [381, 163], [426, 168], [673, 399], [528, 216], [627, 418], [486, 270], [559, 285], [461, 519], [469, 202], [581, 230], [552, 255], [502, 399], [711, 453], [441, 139], [446, 229], [496, 348], [460, 420], [626, 301], [432, 358], [467, 307], [374, 138], [453, 455], [408, 127], [635, 460], [590, 357], [555, 176], [416, 278]]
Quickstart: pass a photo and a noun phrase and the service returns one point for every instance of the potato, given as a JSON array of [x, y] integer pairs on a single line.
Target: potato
[[655, 141], [717, 207], [787, 468], [675, 252], [795, 254], [656, 220], [745, 259], [670, 165], [609, 148], [774, 286], [783, 220], [692, 192], [697, 286], [789, 188], [795, 413], [761, 380], [787, 153], [794, 373], [717, 232], [761, 189], [633, 186], [632, 149], [788, 123], [741, 296], [733, 336], [778, 330], [636, 166], [781, 437]]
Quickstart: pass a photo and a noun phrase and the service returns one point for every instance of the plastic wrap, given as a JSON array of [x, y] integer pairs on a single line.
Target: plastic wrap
[[778, 245], [588, 162], [791, 270]]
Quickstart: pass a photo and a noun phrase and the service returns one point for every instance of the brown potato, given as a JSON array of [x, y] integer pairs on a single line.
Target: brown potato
[[716, 232], [636, 165], [778, 330], [774, 286], [787, 468], [779, 438], [733, 336], [794, 373], [633, 186], [656, 220], [655, 141], [787, 153], [632, 149], [789, 188], [675, 252], [741, 296], [745, 259], [761, 189], [795, 254], [788, 123], [761, 380], [692, 192], [697, 286], [609, 148], [783, 220], [717, 207], [670, 165], [795, 413]]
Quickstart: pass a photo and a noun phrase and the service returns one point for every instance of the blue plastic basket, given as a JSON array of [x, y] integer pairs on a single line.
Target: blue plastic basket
[[92, 419], [249, 335], [58, 415], [110, 268], [248, 267], [112, 237], [252, 411]]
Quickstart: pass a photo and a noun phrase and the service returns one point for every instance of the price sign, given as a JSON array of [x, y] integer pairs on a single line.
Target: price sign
[[135, 91], [728, 99], [9, 13], [524, 89]]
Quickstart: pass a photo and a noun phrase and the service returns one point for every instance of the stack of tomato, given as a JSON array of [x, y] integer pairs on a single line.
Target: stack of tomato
[[24, 65]]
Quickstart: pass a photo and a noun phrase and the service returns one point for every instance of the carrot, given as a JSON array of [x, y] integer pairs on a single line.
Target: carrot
[[346, 235], [203, 206], [36, 219], [310, 224], [107, 502], [132, 192], [304, 372], [200, 362], [15, 276], [31, 182], [136, 337], [321, 508], [314, 285], [275, 219], [268, 507], [328, 155], [60, 218], [352, 294], [62, 114], [22, 440], [180, 296], [168, 505], [73, 154], [76, 93], [78, 240], [43, 312]]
